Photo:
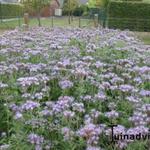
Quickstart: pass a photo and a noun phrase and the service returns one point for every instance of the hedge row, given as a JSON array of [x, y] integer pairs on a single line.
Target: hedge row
[[10, 10], [129, 15], [131, 0]]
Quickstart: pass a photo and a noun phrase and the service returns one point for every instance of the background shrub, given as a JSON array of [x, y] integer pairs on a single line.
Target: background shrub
[[11, 10], [81, 10], [129, 15]]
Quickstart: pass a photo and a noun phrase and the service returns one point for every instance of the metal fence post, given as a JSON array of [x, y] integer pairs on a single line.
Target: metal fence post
[[79, 22], [19, 22], [52, 21]]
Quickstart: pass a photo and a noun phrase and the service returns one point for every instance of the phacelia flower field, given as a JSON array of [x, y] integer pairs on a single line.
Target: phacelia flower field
[[62, 88]]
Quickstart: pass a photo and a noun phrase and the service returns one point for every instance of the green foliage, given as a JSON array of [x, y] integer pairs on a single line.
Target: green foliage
[[81, 10], [70, 6], [130, 0], [11, 10], [129, 15], [97, 3], [34, 5]]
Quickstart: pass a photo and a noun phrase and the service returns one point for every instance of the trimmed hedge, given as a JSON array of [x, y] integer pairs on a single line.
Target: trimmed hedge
[[10, 10], [129, 15], [131, 0]]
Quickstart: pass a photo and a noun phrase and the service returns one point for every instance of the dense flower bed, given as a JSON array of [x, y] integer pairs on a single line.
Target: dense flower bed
[[60, 89]]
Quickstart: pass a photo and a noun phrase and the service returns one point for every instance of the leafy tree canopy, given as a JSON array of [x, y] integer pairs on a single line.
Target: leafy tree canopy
[[97, 3], [70, 5], [35, 5]]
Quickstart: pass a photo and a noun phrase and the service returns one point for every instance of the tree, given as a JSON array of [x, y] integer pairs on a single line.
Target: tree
[[36, 6], [69, 7], [97, 3], [99, 7]]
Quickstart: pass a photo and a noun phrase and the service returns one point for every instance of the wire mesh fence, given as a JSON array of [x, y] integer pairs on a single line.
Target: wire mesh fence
[[133, 24], [8, 23], [83, 21]]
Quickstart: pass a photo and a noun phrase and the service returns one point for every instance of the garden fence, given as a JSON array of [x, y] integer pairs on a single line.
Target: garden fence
[[11, 23], [134, 24], [114, 23]]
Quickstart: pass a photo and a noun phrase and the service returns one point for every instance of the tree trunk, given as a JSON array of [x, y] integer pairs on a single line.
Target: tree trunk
[[39, 19], [71, 16]]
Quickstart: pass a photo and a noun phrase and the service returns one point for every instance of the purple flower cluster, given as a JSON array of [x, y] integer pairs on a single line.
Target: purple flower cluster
[[65, 84], [91, 133], [30, 105], [35, 139], [66, 88]]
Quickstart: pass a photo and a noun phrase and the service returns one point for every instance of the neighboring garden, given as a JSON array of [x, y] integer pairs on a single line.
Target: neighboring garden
[[131, 14]]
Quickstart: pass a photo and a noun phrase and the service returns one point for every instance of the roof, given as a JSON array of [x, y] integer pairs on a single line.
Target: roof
[[61, 2]]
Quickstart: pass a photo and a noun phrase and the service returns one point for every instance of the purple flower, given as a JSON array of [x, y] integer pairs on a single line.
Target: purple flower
[[90, 133], [62, 104], [95, 114], [78, 107], [144, 93], [142, 70], [2, 85], [30, 105], [65, 84], [138, 118], [46, 113], [35, 139], [67, 133], [27, 81], [100, 96], [38, 147], [121, 144], [87, 58], [126, 88], [18, 115], [112, 114], [119, 129], [146, 109], [133, 99], [64, 63], [4, 147], [38, 96], [99, 64], [87, 98], [116, 80], [68, 114], [112, 106], [89, 147]]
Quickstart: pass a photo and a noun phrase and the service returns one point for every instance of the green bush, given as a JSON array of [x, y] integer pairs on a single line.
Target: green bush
[[81, 10], [129, 15], [131, 0], [11, 10]]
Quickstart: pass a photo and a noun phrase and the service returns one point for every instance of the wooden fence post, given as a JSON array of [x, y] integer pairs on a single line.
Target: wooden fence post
[[26, 20], [95, 20]]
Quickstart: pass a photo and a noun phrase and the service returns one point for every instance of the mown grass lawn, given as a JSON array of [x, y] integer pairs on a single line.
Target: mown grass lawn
[[60, 22], [144, 36], [46, 22]]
